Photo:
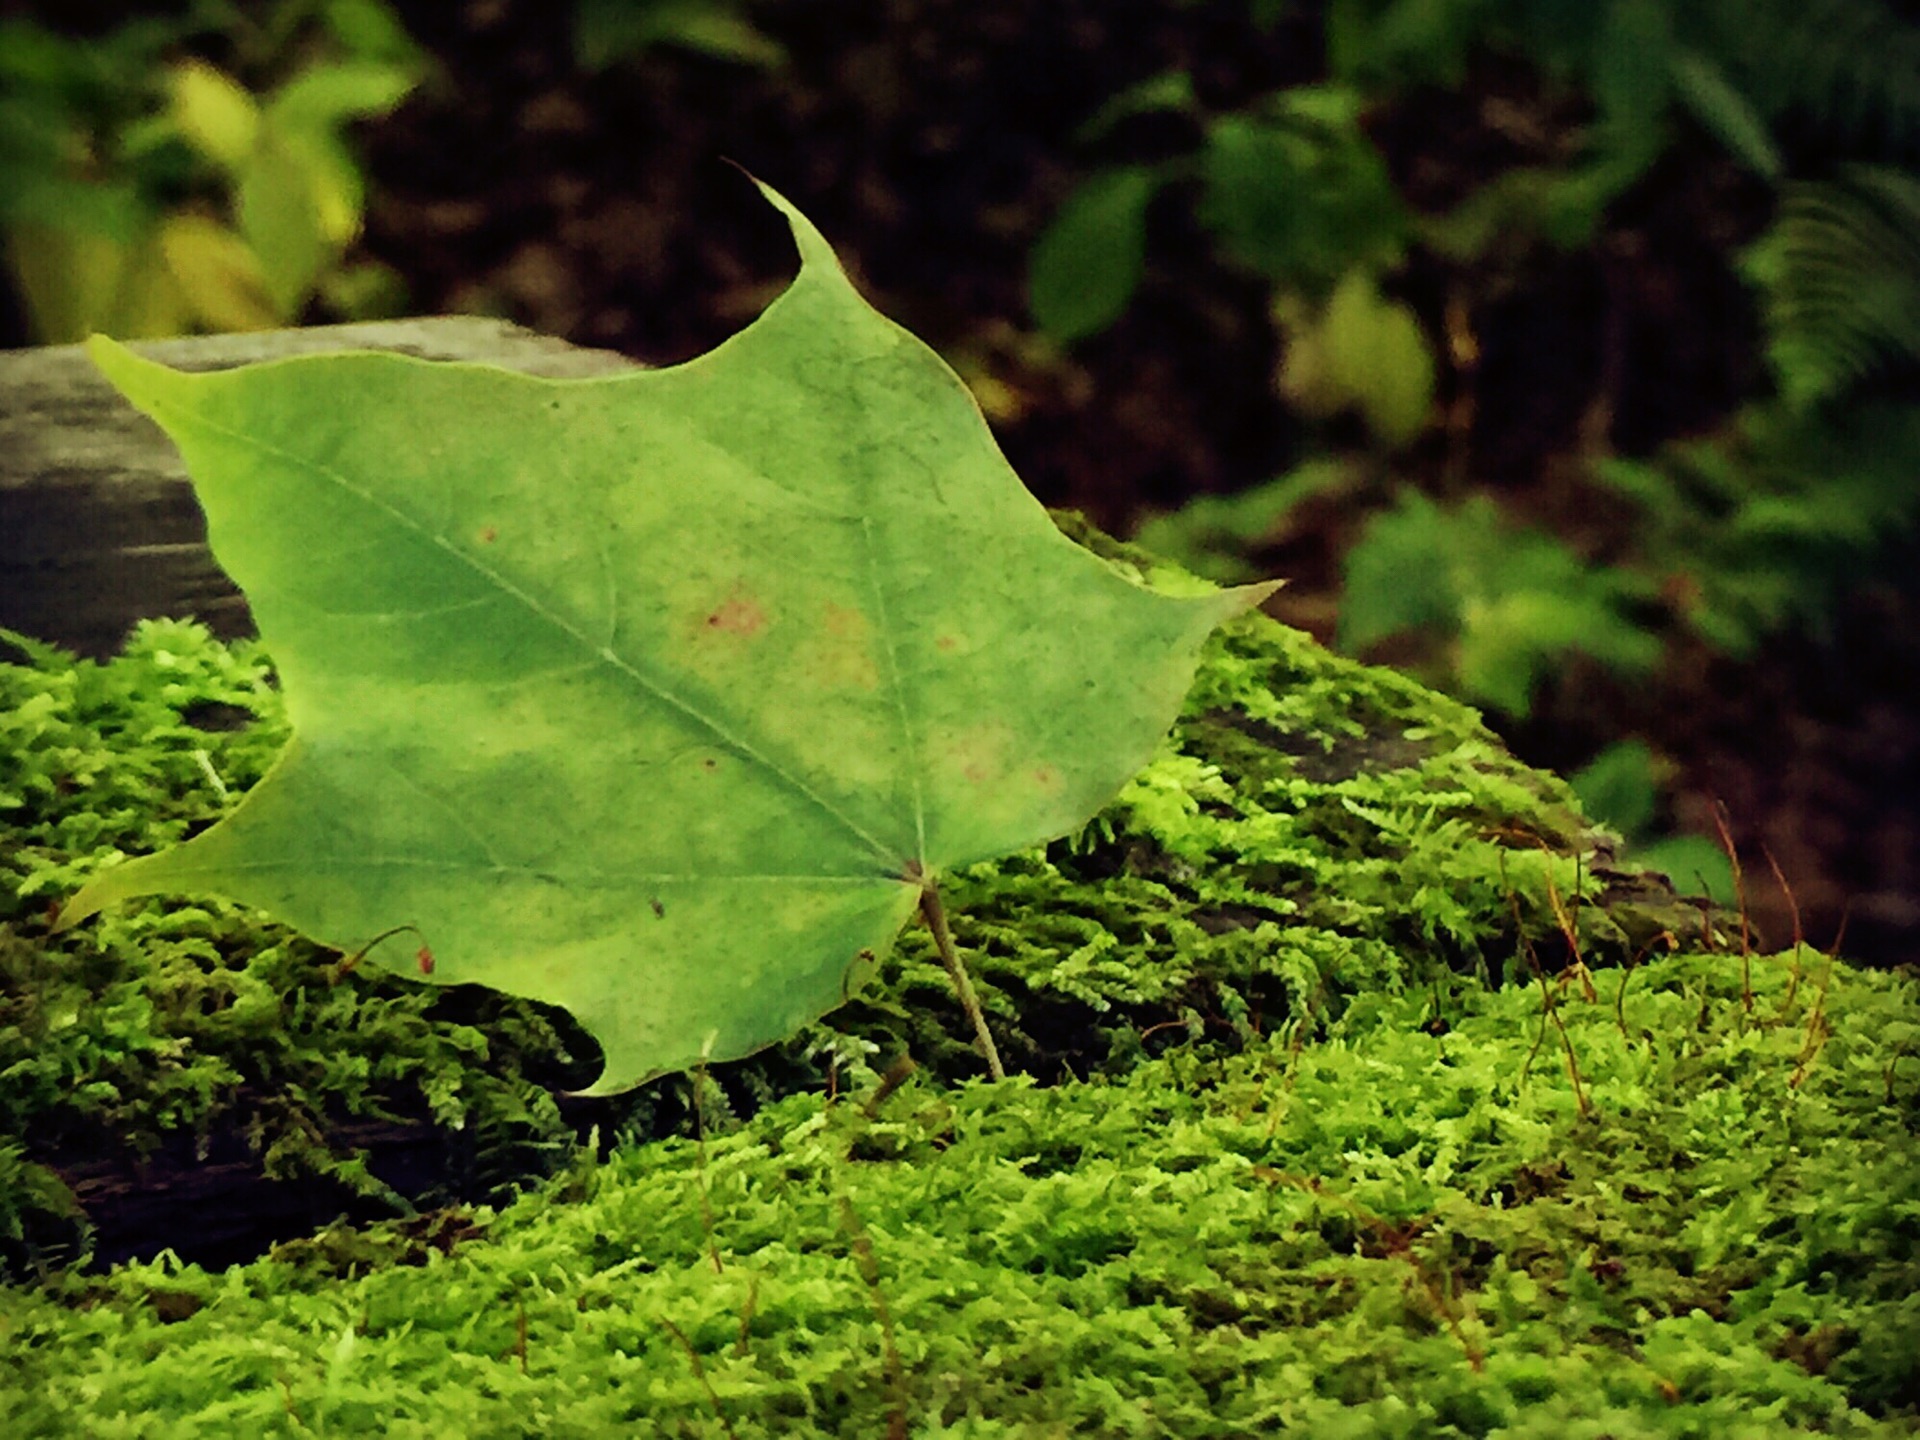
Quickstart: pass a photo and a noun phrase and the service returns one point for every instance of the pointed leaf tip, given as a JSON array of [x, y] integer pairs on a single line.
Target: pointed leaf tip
[[813, 246], [106, 353], [83, 904], [132, 374], [1251, 597], [118, 881]]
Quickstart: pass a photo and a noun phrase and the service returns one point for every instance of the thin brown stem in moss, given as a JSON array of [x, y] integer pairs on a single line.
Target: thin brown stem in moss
[[700, 1374]]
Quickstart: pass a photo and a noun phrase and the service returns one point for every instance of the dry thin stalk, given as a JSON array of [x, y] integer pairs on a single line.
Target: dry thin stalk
[[700, 1083], [1799, 933], [1550, 1012], [700, 1374], [869, 1265], [1740, 898]]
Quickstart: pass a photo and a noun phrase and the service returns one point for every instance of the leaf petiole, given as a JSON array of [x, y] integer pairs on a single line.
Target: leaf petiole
[[936, 917]]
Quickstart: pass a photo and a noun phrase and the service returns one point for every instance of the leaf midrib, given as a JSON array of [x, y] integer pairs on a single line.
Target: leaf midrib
[[603, 653], [304, 863]]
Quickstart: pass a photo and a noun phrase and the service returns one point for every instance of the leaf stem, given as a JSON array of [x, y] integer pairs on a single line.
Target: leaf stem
[[936, 918]]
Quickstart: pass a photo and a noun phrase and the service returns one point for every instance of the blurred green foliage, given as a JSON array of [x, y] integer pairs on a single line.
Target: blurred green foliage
[[1839, 278], [1771, 520], [1511, 600], [606, 32], [1803, 492], [1214, 534], [145, 191]]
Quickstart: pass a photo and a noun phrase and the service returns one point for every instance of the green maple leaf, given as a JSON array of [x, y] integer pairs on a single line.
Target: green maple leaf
[[663, 696]]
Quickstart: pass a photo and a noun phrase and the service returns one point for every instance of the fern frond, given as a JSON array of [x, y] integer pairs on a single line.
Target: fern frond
[[1770, 521], [1840, 279], [1849, 69]]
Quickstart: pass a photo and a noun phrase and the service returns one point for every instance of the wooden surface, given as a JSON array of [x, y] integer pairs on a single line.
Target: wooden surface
[[98, 525]]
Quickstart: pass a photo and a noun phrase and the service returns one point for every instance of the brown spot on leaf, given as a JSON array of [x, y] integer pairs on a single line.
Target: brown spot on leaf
[[488, 535], [977, 753], [659, 910], [839, 655], [738, 614], [709, 764], [946, 644], [1046, 777]]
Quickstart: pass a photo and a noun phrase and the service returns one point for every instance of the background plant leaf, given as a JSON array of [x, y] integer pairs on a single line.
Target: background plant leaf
[[653, 696], [1089, 262]]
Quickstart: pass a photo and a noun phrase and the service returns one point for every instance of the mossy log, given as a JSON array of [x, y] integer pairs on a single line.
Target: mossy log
[[1315, 829]]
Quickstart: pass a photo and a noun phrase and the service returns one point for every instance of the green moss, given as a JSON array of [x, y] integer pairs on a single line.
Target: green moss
[[171, 1028], [1390, 1232], [1314, 829], [1298, 1142]]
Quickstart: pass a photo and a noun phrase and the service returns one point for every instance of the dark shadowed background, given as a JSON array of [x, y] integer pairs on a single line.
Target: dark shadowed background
[[1563, 353]]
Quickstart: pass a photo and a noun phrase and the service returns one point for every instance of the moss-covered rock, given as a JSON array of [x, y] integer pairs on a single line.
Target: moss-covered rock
[[1361, 1094]]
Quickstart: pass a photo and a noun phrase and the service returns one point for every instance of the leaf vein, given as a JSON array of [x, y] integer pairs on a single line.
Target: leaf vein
[[656, 688], [897, 689]]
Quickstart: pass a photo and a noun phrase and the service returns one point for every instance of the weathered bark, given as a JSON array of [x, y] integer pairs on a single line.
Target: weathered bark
[[98, 524]]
